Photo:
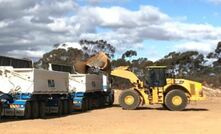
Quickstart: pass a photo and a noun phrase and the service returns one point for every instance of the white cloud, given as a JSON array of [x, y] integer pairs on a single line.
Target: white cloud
[[25, 53], [38, 25], [215, 1], [67, 45], [203, 47]]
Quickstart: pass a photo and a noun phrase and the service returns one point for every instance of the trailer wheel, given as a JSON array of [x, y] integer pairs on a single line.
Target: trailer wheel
[[35, 109], [176, 100], [70, 106], [1, 107], [60, 108], [84, 107], [65, 107], [101, 101], [90, 104], [129, 100], [111, 101], [42, 110], [27, 114]]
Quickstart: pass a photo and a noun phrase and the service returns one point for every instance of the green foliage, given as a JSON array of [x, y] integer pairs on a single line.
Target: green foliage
[[59, 56], [190, 64], [92, 47], [129, 54]]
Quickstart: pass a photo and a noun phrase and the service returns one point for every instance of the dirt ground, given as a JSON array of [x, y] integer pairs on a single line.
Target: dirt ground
[[200, 118]]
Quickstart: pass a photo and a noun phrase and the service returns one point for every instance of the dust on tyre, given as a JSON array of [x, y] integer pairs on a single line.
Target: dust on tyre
[[129, 100], [176, 100]]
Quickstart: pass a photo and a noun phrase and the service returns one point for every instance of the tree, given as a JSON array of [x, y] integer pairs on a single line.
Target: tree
[[92, 47], [183, 64], [128, 54], [59, 56], [216, 55]]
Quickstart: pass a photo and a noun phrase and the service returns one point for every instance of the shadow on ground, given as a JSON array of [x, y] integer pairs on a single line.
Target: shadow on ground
[[164, 109], [48, 117]]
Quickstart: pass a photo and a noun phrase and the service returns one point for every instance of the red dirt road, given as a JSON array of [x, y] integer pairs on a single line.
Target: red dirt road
[[201, 118]]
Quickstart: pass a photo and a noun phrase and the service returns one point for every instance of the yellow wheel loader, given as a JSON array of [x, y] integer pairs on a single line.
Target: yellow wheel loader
[[174, 94]]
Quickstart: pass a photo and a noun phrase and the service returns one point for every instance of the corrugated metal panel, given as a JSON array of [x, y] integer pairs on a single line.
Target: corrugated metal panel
[[16, 63]]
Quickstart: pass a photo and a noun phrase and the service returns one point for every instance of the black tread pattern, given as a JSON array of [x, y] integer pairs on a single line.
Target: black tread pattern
[[136, 97], [170, 95]]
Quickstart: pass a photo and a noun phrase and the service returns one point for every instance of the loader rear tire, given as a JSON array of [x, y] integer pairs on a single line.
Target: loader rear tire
[[176, 100], [129, 99]]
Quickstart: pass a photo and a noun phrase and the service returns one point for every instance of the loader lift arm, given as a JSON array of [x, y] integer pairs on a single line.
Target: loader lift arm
[[138, 95], [123, 72]]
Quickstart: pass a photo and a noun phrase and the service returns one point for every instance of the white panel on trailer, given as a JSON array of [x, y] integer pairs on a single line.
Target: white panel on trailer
[[50, 82], [85, 82], [33, 81]]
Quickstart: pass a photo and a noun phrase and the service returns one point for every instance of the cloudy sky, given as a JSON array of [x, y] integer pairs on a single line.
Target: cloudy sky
[[29, 28]]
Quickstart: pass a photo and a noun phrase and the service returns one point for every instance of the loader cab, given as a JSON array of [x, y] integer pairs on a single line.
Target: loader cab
[[156, 76]]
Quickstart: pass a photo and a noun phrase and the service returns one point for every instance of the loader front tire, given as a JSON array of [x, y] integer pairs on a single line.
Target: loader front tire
[[129, 99]]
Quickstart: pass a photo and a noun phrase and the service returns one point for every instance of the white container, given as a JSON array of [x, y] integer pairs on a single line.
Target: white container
[[33, 81], [85, 83]]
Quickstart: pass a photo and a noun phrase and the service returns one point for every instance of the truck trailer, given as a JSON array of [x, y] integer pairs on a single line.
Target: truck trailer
[[31, 93], [88, 91]]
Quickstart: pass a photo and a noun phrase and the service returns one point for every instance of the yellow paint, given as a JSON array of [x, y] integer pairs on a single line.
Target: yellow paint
[[177, 100], [155, 95], [158, 92], [129, 100]]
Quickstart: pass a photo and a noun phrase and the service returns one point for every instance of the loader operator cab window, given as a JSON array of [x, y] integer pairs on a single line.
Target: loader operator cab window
[[156, 77]]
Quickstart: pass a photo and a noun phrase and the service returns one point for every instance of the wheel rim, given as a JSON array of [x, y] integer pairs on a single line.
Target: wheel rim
[[177, 100], [129, 100]]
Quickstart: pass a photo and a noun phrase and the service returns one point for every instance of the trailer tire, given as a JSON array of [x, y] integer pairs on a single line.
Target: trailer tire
[[176, 100], [111, 101], [70, 106], [60, 108], [65, 107], [84, 107], [1, 107], [42, 110], [28, 110], [90, 104], [35, 109], [129, 99], [101, 101]]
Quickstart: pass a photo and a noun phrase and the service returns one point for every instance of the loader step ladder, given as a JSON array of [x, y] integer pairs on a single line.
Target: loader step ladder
[[160, 95]]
